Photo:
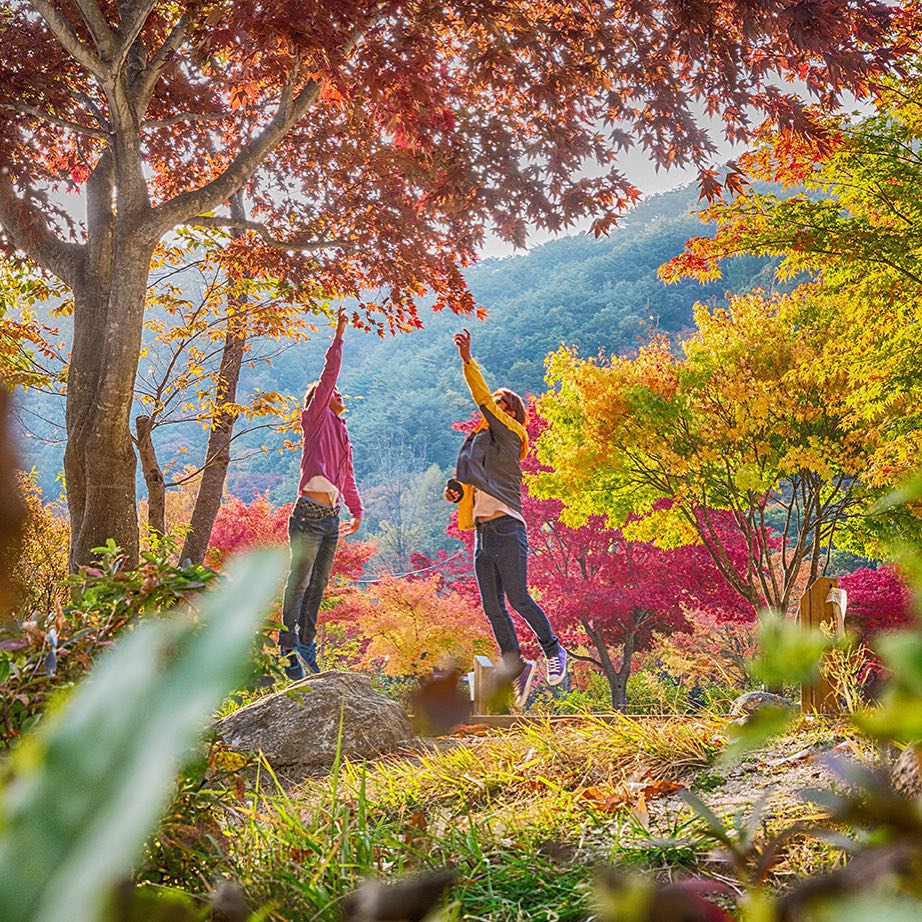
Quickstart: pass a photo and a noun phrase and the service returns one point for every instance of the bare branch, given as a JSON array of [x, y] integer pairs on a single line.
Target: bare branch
[[63, 31], [266, 234], [163, 54], [28, 230], [55, 120], [186, 117]]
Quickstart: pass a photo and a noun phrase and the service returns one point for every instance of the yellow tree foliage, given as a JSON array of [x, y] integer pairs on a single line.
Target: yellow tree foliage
[[752, 414]]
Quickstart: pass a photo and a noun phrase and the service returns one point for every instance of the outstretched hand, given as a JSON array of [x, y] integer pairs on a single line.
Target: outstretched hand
[[340, 322], [463, 342]]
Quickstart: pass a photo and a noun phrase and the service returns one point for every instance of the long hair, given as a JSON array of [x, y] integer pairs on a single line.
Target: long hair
[[309, 393], [513, 401]]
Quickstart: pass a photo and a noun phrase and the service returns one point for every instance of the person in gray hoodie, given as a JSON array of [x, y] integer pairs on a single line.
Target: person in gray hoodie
[[488, 490]]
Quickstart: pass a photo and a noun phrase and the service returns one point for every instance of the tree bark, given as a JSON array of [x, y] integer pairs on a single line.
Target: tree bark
[[153, 476], [99, 461], [616, 677], [217, 453]]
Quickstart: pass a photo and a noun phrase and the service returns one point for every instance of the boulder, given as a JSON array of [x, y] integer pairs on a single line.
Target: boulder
[[297, 729], [906, 773], [746, 705]]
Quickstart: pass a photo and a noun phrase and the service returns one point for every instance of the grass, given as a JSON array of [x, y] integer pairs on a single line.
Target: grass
[[510, 811]]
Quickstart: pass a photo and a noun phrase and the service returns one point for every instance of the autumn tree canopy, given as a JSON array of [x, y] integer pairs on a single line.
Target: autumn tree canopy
[[377, 143]]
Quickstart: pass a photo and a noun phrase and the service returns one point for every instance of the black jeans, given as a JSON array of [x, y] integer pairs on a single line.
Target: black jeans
[[501, 565], [313, 531]]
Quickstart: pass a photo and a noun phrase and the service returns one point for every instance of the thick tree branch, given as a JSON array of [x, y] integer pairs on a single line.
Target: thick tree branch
[[161, 56], [186, 117], [64, 32], [129, 31], [55, 120], [189, 204], [28, 229], [98, 25], [266, 234]]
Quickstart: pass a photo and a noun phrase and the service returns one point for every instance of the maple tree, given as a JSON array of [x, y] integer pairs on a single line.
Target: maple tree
[[748, 416], [376, 143], [623, 595], [847, 219], [715, 649]]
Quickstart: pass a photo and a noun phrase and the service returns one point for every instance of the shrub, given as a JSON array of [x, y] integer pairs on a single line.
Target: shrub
[[40, 569]]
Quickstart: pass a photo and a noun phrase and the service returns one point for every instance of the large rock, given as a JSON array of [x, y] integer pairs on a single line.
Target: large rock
[[906, 773], [747, 704], [297, 729], [752, 701]]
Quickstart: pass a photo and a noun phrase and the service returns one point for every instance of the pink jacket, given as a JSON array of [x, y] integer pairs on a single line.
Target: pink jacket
[[327, 450]]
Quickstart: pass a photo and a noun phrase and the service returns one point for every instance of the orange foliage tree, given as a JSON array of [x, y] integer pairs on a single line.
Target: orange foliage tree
[[40, 564], [410, 626]]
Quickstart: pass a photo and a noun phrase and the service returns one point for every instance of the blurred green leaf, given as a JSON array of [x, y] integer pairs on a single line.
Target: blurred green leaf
[[761, 726], [901, 652], [899, 717], [909, 492], [89, 785], [870, 906], [788, 653]]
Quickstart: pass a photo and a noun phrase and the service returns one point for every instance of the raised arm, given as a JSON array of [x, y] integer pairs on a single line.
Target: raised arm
[[482, 394], [331, 365]]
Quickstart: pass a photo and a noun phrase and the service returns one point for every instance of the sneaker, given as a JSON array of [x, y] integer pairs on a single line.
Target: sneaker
[[308, 654], [557, 666], [521, 685], [293, 668]]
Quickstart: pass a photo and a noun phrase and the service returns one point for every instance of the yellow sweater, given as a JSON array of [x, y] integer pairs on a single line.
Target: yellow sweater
[[483, 397]]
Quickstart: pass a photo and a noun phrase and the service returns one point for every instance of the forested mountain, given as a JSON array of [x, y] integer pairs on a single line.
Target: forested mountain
[[407, 390], [594, 294]]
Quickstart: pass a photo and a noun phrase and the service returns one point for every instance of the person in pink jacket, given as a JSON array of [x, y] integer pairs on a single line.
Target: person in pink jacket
[[327, 481]]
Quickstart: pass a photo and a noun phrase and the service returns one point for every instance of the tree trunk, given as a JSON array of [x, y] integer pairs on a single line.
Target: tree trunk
[[617, 678], [99, 462], [153, 476], [217, 454]]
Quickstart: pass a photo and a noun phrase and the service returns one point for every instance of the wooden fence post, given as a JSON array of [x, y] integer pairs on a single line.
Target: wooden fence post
[[484, 684], [821, 606]]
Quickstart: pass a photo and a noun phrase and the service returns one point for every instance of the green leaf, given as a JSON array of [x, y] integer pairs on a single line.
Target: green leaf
[[89, 785], [899, 717], [789, 653], [901, 651], [762, 725], [909, 492]]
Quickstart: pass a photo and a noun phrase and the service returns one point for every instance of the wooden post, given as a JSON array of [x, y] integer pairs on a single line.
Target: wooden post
[[484, 684], [816, 610]]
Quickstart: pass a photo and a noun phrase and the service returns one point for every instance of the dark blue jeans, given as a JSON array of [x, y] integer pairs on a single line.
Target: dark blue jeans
[[313, 534], [501, 565]]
